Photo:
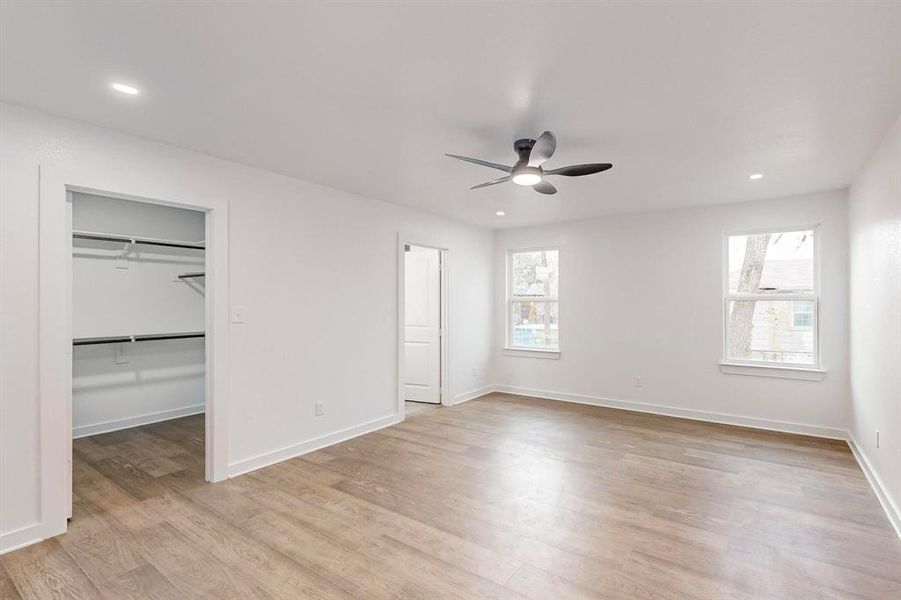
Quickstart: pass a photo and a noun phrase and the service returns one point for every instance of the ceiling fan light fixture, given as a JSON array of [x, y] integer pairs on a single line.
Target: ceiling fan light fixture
[[527, 176], [526, 179], [528, 170]]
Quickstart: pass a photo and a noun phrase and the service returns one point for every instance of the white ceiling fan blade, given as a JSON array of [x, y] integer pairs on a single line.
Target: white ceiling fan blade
[[492, 182], [579, 170], [543, 149], [543, 187], [484, 163]]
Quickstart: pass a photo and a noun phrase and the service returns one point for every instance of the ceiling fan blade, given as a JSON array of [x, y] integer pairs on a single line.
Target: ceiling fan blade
[[544, 187], [577, 170], [543, 149], [493, 182], [484, 163]]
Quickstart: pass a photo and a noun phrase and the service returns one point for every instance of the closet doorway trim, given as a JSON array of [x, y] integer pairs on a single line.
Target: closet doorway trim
[[55, 190]]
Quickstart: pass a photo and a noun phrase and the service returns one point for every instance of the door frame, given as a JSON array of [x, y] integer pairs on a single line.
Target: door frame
[[56, 329], [404, 239]]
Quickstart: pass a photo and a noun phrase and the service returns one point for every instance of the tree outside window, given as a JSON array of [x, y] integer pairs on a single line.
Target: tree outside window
[[771, 298]]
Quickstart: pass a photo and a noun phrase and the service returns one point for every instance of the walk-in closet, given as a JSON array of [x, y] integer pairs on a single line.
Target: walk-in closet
[[138, 356]]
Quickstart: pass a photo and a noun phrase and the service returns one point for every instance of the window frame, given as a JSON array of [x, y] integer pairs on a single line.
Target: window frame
[[727, 363], [509, 348]]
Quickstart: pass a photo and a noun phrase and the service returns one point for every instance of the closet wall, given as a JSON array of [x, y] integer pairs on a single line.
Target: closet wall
[[136, 293]]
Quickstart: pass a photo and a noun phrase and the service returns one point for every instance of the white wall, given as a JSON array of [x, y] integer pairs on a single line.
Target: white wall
[[875, 243], [150, 381], [314, 268], [147, 296], [641, 295]]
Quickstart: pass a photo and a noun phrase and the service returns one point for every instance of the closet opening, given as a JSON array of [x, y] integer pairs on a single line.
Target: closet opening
[[423, 327], [139, 324]]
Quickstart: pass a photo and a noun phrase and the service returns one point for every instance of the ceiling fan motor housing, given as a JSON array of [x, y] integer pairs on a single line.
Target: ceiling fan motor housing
[[523, 149]]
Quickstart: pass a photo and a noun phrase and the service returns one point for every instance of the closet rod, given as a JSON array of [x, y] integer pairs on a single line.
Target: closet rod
[[109, 237], [124, 339]]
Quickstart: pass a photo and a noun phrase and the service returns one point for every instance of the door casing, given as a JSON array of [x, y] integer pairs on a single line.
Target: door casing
[[55, 333]]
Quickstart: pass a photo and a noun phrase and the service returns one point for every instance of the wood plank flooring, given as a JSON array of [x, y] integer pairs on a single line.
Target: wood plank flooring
[[412, 408], [501, 497]]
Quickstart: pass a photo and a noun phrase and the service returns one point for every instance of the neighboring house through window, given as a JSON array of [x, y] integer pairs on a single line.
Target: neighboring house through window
[[532, 303], [771, 297], [802, 313]]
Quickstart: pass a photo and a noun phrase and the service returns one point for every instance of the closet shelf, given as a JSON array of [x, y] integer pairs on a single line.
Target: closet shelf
[[190, 275], [110, 237], [124, 339]]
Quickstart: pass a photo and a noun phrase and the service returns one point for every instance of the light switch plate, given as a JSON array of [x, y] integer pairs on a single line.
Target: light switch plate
[[237, 314]]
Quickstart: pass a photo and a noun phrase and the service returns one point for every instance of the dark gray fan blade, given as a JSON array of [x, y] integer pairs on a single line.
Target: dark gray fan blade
[[493, 182], [544, 187], [484, 163], [543, 149], [577, 170]]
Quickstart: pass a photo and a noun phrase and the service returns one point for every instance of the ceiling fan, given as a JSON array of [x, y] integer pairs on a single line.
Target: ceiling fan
[[527, 170]]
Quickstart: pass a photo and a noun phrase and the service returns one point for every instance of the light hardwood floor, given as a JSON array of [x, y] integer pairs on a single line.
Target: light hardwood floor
[[500, 497], [412, 408]]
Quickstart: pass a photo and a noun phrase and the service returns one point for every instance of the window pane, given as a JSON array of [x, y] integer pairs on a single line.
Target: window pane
[[771, 263], [802, 314], [534, 324], [764, 330], [535, 273]]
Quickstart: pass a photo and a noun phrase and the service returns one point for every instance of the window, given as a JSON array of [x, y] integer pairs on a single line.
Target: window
[[532, 314], [802, 314], [771, 298]]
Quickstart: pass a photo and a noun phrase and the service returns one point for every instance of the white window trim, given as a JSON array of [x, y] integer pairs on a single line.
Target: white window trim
[[509, 348], [531, 352], [734, 366], [773, 370]]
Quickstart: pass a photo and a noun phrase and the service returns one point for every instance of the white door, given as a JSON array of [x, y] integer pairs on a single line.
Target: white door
[[422, 325]]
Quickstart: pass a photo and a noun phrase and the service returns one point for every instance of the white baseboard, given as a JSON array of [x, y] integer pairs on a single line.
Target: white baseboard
[[146, 419], [682, 413], [470, 395], [19, 538], [270, 458], [892, 511]]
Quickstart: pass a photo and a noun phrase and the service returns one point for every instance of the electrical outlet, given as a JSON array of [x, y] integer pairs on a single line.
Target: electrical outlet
[[320, 408], [637, 381]]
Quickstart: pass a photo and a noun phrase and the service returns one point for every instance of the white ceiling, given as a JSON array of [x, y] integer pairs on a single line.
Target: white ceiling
[[686, 99]]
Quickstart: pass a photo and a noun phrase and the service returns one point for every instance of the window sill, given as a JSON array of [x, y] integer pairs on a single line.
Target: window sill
[[780, 372], [531, 352]]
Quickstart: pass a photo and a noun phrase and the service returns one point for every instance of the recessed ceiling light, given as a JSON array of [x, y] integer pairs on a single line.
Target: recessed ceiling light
[[125, 89], [500, 213], [756, 176]]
